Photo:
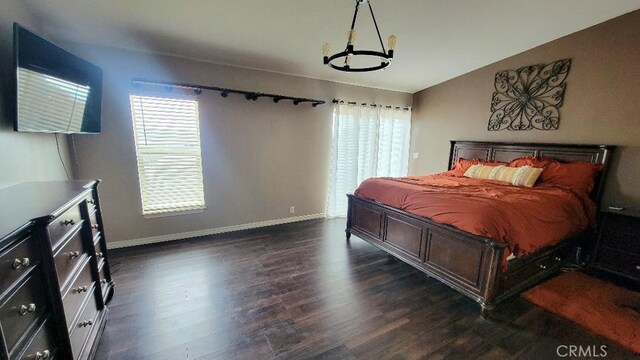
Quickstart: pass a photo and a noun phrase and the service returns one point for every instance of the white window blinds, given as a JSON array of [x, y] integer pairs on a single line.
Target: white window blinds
[[167, 138], [367, 142]]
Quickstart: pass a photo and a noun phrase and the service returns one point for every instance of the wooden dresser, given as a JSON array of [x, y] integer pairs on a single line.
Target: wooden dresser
[[54, 271], [617, 251]]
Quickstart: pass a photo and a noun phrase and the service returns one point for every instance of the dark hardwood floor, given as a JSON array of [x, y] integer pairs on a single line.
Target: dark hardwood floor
[[301, 291]]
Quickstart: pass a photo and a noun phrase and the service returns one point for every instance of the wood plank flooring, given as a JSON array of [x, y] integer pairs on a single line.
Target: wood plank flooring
[[300, 291]]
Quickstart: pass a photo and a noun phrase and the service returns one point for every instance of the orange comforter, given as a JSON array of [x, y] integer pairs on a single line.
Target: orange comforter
[[526, 219]]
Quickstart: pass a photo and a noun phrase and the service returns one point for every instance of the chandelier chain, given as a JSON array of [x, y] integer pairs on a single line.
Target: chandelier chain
[[377, 30]]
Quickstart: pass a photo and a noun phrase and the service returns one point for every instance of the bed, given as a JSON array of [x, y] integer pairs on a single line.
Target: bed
[[475, 265]]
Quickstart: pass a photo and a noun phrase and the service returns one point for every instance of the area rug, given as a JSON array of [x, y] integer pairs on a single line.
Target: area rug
[[604, 308]]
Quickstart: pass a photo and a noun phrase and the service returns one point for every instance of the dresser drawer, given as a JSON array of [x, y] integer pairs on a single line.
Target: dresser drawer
[[619, 262], [102, 269], [100, 254], [95, 228], [43, 345], [82, 327], [91, 202], [622, 224], [63, 224], [622, 242], [77, 293], [68, 257], [621, 233], [104, 279], [22, 308], [16, 261]]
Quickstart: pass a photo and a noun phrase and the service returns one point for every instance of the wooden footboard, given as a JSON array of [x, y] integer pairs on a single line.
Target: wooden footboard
[[468, 263]]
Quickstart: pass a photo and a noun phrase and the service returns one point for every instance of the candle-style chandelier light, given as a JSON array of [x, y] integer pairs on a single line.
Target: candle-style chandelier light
[[345, 57]]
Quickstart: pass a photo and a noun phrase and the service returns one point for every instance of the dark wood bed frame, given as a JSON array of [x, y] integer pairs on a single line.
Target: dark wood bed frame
[[469, 263]]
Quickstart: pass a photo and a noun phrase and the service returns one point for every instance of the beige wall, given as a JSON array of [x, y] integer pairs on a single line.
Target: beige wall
[[259, 158], [601, 104], [23, 156]]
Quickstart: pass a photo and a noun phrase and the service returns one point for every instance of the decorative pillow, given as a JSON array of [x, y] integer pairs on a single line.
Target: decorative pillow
[[577, 175], [539, 162], [520, 176], [462, 165]]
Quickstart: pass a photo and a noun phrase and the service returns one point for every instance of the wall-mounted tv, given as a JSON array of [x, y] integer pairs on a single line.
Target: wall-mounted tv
[[56, 91]]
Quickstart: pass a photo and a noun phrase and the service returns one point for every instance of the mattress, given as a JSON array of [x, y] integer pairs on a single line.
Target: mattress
[[526, 219]]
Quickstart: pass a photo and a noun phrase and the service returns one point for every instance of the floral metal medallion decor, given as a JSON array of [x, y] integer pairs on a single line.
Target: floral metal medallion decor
[[529, 97]]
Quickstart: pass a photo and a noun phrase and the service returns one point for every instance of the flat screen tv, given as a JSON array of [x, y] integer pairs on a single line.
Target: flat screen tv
[[56, 91]]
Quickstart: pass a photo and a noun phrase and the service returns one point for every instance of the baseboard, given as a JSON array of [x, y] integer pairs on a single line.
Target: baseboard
[[205, 232]]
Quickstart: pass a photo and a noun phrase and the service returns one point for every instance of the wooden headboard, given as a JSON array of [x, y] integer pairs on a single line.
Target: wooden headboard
[[500, 151]]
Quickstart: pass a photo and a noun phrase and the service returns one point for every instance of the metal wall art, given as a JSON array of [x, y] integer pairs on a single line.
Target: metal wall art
[[529, 97]]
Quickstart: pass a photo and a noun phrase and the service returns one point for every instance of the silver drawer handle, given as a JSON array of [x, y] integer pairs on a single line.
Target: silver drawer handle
[[543, 267], [43, 355], [74, 254], [80, 289], [94, 226], [24, 309], [638, 267], [86, 323], [91, 201], [20, 263], [99, 254], [69, 222]]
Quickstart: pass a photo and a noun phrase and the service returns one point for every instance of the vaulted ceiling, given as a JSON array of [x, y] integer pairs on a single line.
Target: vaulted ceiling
[[437, 40]]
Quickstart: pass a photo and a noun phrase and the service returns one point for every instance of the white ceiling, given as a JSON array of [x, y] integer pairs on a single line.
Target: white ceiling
[[437, 39]]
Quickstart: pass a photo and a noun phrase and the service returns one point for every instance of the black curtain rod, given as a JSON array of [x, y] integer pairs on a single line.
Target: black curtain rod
[[337, 101], [224, 92]]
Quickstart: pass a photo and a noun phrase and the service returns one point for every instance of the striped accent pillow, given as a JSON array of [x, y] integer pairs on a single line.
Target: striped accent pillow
[[519, 176]]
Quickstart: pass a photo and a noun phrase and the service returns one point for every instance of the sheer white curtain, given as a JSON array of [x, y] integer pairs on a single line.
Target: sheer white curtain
[[367, 141], [393, 142]]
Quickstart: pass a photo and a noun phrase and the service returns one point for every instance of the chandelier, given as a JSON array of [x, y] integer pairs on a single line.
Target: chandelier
[[345, 57]]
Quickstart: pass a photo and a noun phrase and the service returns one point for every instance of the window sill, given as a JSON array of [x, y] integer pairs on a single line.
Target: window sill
[[174, 213]]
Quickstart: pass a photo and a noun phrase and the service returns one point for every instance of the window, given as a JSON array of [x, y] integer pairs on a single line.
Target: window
[[167, 138], [367, 141]]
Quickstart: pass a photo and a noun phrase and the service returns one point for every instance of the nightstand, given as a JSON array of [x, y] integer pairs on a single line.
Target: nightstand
[[618, 246]]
